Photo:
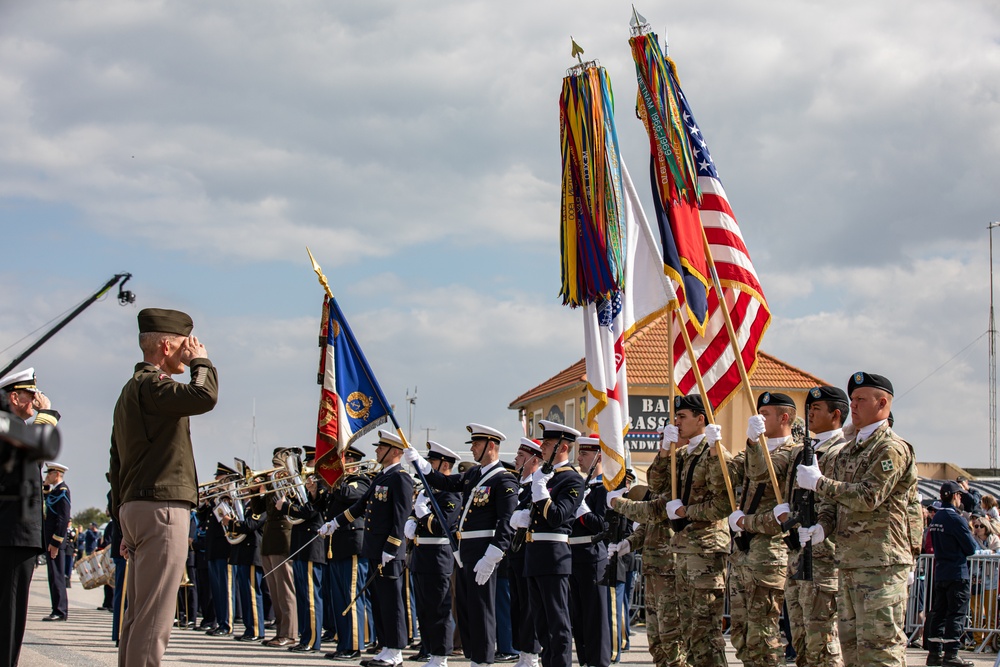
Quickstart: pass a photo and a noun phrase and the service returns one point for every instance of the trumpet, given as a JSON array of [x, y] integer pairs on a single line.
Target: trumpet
[[224, 486], [366, 467]]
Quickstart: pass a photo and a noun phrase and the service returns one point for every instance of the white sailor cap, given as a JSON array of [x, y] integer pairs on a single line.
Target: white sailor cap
[[390, 440], [24, 380], [585, 443], [530, 446], [554, 430], [480, 432], [58, 467], [435, 450]]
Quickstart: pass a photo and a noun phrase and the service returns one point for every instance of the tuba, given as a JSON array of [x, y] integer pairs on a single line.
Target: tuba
[[229, 503]]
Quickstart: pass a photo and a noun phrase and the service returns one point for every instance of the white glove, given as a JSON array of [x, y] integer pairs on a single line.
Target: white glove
[[755, 428], [668, 434], [421, 506], [581, 510], [621, 548], [414, 458], [539, 490], [673, 506], [778, 510], [807, 476], [520, 519], [615, 494], [814, 534], [909, 579], [713, 433], [410, 529], [734, 521], [386, 557], [328, 528], [484, 568]]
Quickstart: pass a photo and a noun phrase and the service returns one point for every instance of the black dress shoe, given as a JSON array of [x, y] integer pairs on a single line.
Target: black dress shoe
[[249, 638], [329, 636], [373, 649], [218, 632], [343, 655], [506, 657], [54, 617], [302, 648], [380, 663]]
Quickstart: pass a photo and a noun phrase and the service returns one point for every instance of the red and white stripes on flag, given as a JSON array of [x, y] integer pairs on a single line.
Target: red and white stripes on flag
[[608, 324], [742, 295]]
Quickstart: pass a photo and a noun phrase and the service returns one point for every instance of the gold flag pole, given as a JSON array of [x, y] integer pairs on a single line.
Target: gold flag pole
[[708, 412], [744, 379], [670, 409]]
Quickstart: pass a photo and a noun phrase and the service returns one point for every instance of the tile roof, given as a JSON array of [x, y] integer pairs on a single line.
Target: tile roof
[[646, 357]]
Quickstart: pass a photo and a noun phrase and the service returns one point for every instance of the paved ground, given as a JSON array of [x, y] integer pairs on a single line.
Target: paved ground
[[85, 639]]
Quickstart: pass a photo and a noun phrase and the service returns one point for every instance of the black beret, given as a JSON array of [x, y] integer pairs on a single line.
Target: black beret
[[862, 379], [690, 402], [165, 321], [826, 393], [775, 399]]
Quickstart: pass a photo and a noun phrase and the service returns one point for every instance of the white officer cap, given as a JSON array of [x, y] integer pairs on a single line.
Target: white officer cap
[[58, 467], [554, 430], [585, 443], [480, 432], [24, 380], [390, 439], [438, 451], [530, 446]]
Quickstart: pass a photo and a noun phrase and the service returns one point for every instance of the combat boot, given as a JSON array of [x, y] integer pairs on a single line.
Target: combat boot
[[955, 661]]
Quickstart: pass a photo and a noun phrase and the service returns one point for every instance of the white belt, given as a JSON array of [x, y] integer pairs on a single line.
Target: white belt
[[583, 539], [430, 540], [473, 534], [546, 537]]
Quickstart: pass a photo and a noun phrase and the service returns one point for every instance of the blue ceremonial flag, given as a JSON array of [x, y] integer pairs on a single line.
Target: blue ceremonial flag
[[351, 401]]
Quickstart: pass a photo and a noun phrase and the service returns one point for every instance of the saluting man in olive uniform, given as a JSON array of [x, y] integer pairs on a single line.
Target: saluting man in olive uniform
[[154, 483]]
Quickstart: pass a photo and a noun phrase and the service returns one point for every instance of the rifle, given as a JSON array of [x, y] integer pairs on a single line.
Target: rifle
[[803, 514], [517, 541], [611, 574], [521, 535]]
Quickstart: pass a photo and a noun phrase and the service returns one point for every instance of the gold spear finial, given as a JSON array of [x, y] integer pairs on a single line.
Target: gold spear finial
[[319, 274], [576, 51]]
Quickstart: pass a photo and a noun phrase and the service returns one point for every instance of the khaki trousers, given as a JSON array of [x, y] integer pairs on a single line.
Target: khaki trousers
[[155, 533], [281, 584]]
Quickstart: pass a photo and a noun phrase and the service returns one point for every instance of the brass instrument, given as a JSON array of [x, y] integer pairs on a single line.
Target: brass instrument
[[366, 467], [229, 504]]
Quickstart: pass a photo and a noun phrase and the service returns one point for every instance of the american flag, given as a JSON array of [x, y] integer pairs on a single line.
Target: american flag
[[741, 289]]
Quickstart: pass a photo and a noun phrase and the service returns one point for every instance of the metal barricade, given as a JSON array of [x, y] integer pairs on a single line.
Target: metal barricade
[[982, 626]]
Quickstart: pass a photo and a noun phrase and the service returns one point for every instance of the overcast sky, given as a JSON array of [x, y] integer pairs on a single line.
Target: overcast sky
[[415, 148]]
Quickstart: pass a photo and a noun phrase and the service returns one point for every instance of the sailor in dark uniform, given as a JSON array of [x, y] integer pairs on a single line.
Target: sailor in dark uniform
[[385, 508], [489, 496], [309, 560], [433, 561], [587, 596], [248, 572], [220, 572], [21, 518], [556, 494], [57, 518], [346, 572], [525, 635]]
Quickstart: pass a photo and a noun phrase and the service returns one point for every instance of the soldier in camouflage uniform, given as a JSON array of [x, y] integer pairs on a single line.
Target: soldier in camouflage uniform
[[812, 605], [663, 623], [701, 540], [759, 561], [869, 504]]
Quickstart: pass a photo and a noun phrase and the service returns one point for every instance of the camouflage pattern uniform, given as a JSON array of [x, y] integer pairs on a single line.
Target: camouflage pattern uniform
[[663, 624], [869, 504], [757, 581], [812, 605]]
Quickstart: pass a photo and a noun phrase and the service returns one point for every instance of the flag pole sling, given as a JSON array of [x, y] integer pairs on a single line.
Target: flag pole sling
[[744, 379], [438, 514]]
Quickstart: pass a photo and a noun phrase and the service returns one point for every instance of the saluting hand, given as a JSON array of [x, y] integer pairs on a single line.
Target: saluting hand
[[41, 401], [192, 349]]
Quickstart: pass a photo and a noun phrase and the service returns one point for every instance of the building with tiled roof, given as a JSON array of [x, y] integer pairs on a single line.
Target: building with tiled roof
[[562, 397]]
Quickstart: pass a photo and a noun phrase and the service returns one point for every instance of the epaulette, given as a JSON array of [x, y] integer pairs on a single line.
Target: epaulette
[[566, 469]]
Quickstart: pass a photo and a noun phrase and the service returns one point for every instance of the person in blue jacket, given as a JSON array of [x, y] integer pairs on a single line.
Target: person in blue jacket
[[953, 544]]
